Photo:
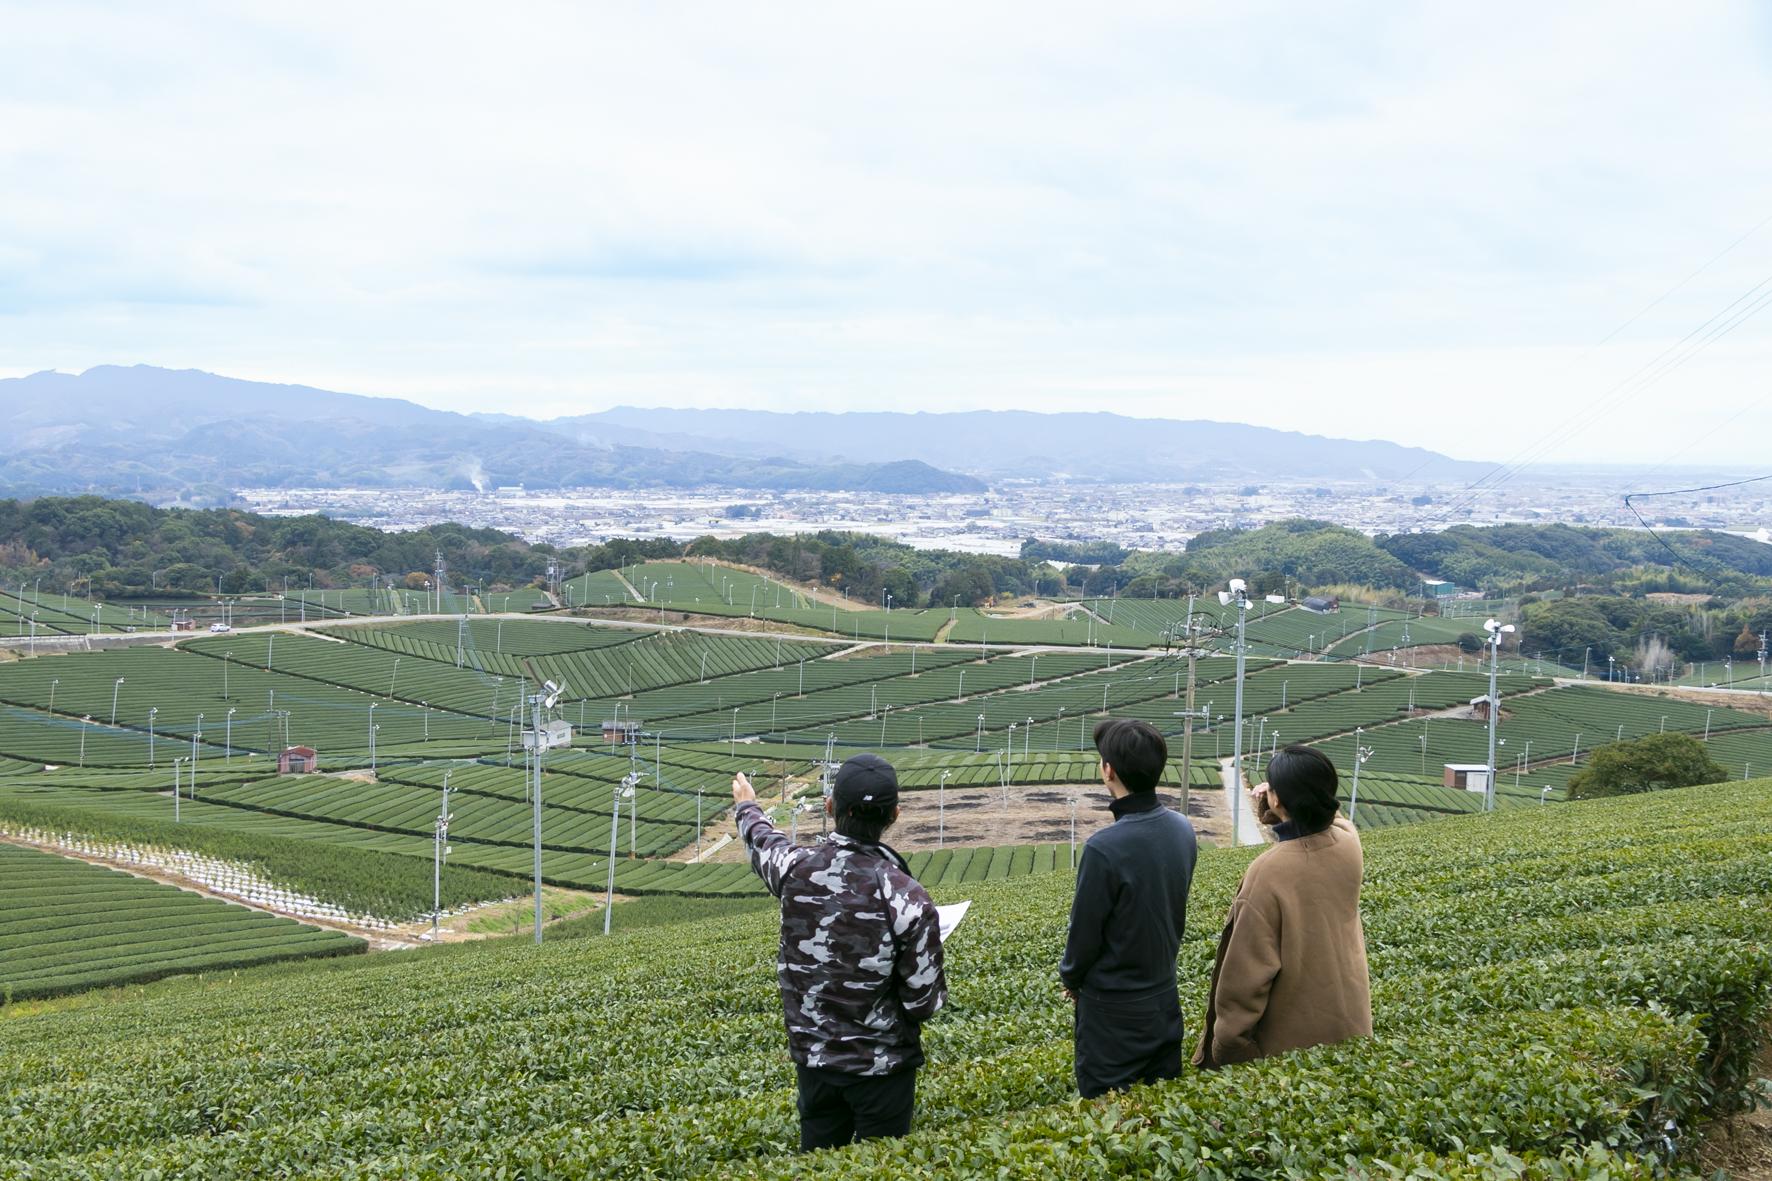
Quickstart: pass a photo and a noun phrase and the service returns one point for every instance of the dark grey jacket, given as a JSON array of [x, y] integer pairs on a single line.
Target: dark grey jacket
[[1131, 902], [860, 964]]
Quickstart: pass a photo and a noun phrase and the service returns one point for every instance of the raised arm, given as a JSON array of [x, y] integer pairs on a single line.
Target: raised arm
[[772, 854]]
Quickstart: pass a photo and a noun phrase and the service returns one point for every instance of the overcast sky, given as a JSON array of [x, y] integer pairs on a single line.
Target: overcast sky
[[1413, 222]]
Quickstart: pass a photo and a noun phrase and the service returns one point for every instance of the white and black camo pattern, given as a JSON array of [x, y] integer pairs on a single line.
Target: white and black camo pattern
[[860, 963]]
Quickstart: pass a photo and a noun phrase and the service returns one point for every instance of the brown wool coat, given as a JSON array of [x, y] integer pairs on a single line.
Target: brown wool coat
[[1291, 968]]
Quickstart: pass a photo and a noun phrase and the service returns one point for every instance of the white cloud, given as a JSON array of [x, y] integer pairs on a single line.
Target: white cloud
[[1402, 223]]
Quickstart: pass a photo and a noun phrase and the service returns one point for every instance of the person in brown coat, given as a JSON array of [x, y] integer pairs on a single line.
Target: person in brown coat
[[1291, 969]]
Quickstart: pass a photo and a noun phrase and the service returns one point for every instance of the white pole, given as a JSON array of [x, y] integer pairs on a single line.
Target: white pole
[[536, 797], [941, 811], [1237, 710], [1353, 804], [614, 833], [1494, 715]]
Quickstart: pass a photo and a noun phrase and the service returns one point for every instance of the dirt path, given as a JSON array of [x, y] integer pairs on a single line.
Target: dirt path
[[623, 579]]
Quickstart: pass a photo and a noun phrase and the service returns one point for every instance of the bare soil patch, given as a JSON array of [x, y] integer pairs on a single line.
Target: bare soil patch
[[1741, 1147], [1423, 656], [968, 817]]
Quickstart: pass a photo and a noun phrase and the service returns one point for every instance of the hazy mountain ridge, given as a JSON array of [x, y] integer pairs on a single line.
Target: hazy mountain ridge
[[190, 436], [1024, 444]]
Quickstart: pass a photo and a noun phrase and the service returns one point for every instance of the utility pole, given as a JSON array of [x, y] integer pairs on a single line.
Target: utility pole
[[1187, 715], [1495, 629], [1361, 754], [535, 797], [439, 850]]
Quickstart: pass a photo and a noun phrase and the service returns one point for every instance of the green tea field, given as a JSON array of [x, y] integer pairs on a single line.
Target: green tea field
[[1576, 990]]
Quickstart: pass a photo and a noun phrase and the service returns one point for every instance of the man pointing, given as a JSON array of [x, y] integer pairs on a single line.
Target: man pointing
[[860, 963]]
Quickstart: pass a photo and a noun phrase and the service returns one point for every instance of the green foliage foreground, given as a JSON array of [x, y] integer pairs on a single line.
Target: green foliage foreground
[[1551, 988]]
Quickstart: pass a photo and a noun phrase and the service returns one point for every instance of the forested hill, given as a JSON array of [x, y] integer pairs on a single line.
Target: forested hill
[[1500, 559], [122, 549]]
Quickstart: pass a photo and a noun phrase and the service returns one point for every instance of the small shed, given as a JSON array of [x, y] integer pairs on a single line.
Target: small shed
[[298, 760], [626, 730], [554, 734], [1468, 777], [1322, 604], [1480, 708], [184, 625]]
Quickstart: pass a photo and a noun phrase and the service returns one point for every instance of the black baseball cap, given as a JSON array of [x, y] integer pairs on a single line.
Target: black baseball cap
[[864, 779]]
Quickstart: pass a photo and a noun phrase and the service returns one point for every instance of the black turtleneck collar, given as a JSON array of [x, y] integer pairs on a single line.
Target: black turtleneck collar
[[1138, 801]]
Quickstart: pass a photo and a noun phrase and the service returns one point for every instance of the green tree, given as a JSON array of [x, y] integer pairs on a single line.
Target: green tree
[[1645, 764], [973, 586]]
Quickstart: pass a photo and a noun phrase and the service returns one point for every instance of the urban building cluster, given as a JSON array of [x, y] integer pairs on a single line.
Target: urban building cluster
[[1139, 516]]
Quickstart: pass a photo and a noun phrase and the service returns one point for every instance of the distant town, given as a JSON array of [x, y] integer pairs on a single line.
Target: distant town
[[1139, 516]]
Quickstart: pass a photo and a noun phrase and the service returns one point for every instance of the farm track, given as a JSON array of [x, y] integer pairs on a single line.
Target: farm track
[[623, 579]]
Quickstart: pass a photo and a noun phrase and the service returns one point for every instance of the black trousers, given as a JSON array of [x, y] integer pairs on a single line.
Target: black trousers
[[1122, 1040], [837, 1109]]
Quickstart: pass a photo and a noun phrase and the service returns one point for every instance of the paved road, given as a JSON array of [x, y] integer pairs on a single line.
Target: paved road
[[1248, 830]]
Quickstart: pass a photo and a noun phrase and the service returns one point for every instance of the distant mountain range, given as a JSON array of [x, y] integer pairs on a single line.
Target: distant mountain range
[[998, 444], [185, 436]]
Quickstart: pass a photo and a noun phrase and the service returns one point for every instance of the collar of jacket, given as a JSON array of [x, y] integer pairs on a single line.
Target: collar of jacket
[[1286, 830], [844, 842], [1135, 802]]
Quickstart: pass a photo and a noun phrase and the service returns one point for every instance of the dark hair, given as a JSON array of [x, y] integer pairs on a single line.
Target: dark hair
[[1305, 781], [866, 822], [1134, 750]]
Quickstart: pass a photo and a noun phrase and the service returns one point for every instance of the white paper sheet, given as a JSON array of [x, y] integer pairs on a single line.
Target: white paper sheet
[[950, 916]]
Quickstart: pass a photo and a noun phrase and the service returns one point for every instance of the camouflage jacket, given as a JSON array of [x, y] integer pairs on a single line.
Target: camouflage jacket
[[860, 963]]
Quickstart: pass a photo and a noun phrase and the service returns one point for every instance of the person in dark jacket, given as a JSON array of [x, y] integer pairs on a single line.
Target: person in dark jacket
[[860, 963], [1127, 920]]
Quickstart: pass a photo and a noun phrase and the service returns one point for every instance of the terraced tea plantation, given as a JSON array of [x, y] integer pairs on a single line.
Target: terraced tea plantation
[[67, 926], [396, 709], [1575, 990]]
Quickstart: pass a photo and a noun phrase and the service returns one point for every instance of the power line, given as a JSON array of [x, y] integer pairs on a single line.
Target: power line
[[1648, 307], [1719, 325], [1681, 492]]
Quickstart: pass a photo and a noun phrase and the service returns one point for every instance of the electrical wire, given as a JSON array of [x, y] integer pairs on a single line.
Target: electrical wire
[[1737, 312], [1646, 308], [1681, 492]]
